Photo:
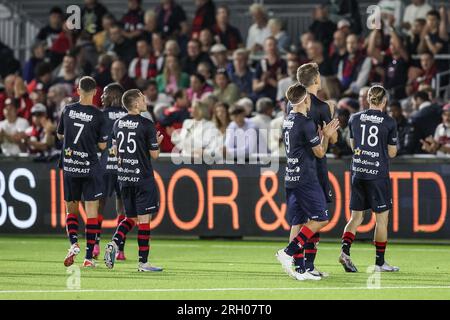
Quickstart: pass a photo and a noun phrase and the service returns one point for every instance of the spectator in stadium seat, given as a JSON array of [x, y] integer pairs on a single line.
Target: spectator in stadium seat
[[305, 38], [68, 72], [38, 94], [418, 9], [225, 90], [171, 18], [205, 17], [240, 73], [412, 40], [102, 73], [41, 135], [194, 57], [241, 139], [62, 44], [102, 39], [195, 135], [16, 90], [259, 31], [434, 37], [171, 48], [85, 52], [55, 101], [51, 31], [342, 146], [206, 39], [143, 67], [354, 69], [424, 75], [362, 98], [12, 130], [322, 27], [133, 20], [395, 111], [206, 70], [154, 98], [219, 56], [331, 89], [277, 31], [423, 122], [285, 83], [150, 24], [225, 33], [314, 51], [346, 9], [158, 45], [269, 71], [43, 75], [9, 63], [198, 88], [247, 104], [264, 112], [442, 133], [123, 47], [172, 79], [221, 117], [37, 57], [91, 16], [391, 12], [119, 75], [338, 49]]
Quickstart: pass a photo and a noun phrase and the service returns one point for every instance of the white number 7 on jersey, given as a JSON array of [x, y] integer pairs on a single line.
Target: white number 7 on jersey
[[81, 126]]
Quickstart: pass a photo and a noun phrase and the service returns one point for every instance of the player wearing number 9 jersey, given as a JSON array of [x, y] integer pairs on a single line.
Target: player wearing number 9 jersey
[[136, 142], [83, 129], [307, 205], [373, 138]]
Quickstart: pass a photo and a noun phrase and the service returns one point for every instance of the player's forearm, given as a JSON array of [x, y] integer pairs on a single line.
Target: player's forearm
[[324, 144]]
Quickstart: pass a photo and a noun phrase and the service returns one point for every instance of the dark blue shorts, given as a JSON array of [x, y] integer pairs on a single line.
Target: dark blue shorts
[[110, 186], [82, 188], [140, 199], [306, 202], [371, 194]]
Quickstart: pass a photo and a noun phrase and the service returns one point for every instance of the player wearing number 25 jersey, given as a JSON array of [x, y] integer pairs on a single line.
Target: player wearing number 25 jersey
[[373, 137], [136, 142], [83, 129]]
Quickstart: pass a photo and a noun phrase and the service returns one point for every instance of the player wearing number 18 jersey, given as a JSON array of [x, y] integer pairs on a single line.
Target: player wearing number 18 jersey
[[83, 129], [136, 142], [373, 137]]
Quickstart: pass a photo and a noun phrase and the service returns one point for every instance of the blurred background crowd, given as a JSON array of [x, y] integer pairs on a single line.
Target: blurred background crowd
[[202, 72]]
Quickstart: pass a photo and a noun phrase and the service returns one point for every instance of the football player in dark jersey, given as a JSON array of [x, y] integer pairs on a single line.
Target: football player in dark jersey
[[307, 205], [320, 112], [112, 109], [373, 138], [83, 131], [136, 143]]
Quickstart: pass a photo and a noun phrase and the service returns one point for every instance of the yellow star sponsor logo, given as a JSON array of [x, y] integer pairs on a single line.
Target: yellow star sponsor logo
[[357, 152], [111, 152], [68, 152]]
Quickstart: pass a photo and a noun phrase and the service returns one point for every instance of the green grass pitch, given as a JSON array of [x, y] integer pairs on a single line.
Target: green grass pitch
[[32, 268]]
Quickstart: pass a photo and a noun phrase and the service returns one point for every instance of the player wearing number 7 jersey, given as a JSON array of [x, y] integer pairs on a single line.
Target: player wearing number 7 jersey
[[373, 138], [136, 142], [83, 129]]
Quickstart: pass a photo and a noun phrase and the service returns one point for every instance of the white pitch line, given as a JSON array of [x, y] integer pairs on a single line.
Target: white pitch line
[[224, 289]]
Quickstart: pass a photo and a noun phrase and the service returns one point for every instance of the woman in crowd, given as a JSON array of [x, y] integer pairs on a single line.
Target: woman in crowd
[[172, 79]]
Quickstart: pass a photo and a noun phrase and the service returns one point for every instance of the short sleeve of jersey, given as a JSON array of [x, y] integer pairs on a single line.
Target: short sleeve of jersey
[[326, 113], [350, 127], [311, 134], [103, 129], [392, 134], [152, 141], [61, 125]]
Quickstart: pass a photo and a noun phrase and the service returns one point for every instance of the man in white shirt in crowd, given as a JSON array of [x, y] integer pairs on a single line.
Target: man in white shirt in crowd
[[262, 119], [241, 137], [418, 9], [259, 30], [12, 130], [285, 83]]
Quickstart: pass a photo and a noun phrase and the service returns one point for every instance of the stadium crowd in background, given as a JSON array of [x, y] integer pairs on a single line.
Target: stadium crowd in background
[[203, 73]]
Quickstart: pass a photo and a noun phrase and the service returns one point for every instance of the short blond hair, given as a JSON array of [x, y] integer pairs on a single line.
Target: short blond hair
[[307, 73]]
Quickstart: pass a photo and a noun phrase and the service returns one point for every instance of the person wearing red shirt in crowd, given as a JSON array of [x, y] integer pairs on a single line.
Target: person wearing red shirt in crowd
[[205, 17], [225, 33], [172, 119], [199, 88], [425, 74], [143, 67], [16, 90], [133, 20]]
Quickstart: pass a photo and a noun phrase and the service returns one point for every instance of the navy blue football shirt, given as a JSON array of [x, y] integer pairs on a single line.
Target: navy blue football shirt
[[135, 136], [109, 159], [300, 136], [83, 128], [372, 131]]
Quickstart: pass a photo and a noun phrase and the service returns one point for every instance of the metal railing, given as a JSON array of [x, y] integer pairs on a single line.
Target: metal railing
[[18, 31], [442, 85]]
